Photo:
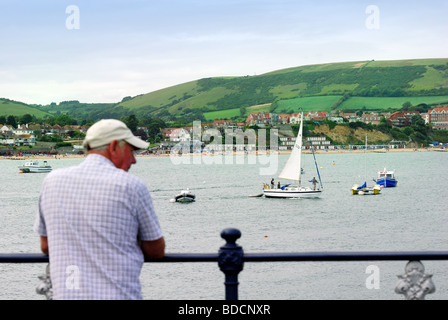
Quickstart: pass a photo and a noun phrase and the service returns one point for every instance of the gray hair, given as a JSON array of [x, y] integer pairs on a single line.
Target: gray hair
[[104, 148]]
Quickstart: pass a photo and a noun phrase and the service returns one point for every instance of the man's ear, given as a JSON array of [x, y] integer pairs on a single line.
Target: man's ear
[[112, 148], [114, 152]]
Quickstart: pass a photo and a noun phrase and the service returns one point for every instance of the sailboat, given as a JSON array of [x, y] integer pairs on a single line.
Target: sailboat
[[293, 171], [364, 189]]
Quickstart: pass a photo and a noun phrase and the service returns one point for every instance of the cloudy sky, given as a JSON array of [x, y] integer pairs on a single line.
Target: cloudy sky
[[102, 51]]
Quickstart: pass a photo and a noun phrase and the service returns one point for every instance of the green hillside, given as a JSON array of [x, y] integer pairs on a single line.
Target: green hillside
[[84, 111], [321, 103], [323, 87], [346, 85], [236, 112], [14, 108], [389, 102]]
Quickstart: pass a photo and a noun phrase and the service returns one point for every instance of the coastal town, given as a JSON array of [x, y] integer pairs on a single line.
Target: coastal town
[[27, 138], [224, 159]]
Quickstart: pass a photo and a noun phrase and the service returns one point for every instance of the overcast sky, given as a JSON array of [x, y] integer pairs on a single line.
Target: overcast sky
[[102, 51]]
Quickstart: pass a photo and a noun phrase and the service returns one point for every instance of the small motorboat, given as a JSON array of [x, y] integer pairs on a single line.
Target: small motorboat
[[185, 196], [386, 178], [34, 167]]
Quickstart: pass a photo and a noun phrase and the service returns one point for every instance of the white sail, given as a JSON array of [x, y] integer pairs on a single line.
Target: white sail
[[292, 169]]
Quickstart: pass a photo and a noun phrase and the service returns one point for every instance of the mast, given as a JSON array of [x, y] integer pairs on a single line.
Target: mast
[[292, 168], [299, 145], [365, 161], [314, 157]]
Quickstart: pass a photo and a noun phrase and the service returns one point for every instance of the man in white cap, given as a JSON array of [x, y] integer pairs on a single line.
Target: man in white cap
[[96, 221]]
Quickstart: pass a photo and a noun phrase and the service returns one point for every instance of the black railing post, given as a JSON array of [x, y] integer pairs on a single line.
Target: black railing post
[[230, 261]]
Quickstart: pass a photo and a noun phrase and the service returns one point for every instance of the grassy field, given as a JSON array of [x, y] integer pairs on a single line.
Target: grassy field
[[160, 97], [325, 83], [222, 114], [14, 108], [324, 103], [431, 79], [389, 102], [321, 103], [176, 98], [230, 113]]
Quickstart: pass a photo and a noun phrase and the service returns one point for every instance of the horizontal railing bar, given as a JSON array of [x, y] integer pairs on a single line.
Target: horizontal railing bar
[[187, 257], [345, 256], [260, 257], [231, 258], [23, 258], [173, 257]]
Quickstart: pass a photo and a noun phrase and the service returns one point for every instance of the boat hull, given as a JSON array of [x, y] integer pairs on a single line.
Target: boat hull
[[389, 183], [30, 169], [185, 198], [34, 167], [34, 170], [367, 190], [292, 193], [386, 178]]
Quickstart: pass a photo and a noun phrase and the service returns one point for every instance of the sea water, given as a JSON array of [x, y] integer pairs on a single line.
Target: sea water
[[410, 217]]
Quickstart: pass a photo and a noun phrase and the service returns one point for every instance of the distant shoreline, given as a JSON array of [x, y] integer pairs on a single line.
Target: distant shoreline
[[73, 156]]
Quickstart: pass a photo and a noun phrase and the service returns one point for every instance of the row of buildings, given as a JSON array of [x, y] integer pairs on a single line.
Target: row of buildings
[[437, 118], [24, 135]]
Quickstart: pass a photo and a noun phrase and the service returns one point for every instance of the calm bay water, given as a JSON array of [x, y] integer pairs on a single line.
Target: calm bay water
[[411, 217]]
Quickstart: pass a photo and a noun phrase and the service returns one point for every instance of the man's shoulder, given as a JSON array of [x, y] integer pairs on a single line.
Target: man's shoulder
[[134, 180], [59, 172]]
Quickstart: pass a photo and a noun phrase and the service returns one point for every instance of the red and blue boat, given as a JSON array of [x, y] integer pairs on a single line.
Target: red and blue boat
[[386, 178]]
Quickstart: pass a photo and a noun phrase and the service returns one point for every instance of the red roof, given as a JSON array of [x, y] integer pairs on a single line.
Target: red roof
[[439, 109]]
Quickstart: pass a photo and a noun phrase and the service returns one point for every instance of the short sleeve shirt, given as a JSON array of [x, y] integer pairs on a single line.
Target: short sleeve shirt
[[94, 216]]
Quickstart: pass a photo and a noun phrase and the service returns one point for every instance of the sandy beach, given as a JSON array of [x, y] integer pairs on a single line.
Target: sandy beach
[[76, 156]]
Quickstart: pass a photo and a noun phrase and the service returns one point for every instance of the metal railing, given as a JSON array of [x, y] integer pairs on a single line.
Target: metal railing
[[414, 284]]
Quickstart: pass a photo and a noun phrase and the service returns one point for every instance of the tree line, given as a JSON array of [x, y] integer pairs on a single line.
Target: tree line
[[417, 132], [153, 125]]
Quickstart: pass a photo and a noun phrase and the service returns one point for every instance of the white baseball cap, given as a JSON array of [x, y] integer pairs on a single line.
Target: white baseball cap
[[105, 131]]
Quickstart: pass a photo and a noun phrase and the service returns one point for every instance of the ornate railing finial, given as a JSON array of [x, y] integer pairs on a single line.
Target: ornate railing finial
[[415, 284], [230, 261], [45, 288]]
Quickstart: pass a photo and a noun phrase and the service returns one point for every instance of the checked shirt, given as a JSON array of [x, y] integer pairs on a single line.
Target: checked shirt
[[93, 215]]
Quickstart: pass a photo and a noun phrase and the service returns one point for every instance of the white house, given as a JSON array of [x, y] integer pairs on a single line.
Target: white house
[[6, 131], [177, 135]]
